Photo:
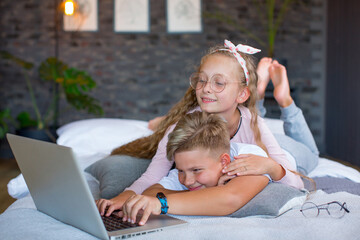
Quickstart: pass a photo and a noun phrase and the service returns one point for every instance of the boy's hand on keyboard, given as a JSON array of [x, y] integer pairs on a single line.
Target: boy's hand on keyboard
[[107, 207], [140, 203]]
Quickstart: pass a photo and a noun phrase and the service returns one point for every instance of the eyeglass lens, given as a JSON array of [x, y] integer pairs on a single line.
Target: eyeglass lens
[[309, 209], [336, 210], [199, 80]]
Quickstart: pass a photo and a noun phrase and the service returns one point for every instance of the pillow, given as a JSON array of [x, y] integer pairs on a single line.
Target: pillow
[[276, 126], [274, 200], [113, 173], [100, 135]]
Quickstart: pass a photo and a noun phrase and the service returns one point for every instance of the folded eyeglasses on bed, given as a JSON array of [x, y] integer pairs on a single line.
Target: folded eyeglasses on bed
[[335, 209]]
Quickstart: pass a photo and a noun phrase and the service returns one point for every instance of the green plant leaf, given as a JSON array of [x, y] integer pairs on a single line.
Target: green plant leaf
[[85, 102], [52, 69], [22, 63], [76, 81], [4, 115], [25, 120], [3, 130]]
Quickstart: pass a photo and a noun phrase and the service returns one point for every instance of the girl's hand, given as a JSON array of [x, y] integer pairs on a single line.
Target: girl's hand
[[154, 123], [107, 207], [146, 204], [249, 164], [224, 179]]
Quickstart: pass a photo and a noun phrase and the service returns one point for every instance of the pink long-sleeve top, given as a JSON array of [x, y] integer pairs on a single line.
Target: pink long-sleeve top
[[160, 165]]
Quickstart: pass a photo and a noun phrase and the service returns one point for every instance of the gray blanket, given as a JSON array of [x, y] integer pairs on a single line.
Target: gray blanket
[[20, 223], [333, 185]]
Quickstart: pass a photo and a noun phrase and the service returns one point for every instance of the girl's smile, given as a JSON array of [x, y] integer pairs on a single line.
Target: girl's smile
[[207, 100]]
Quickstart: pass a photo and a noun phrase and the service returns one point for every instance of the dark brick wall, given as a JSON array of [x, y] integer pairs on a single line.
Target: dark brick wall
[[140, 76]]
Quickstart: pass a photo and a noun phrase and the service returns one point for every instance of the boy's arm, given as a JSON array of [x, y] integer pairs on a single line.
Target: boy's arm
[[217, 201], [154, 189]]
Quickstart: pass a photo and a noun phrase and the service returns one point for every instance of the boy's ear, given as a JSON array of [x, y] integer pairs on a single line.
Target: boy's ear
[[243, 95], [225, 159]]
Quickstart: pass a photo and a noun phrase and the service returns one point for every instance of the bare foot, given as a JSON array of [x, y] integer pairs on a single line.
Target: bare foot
[[262, 71], [154, 123], [281, 84]]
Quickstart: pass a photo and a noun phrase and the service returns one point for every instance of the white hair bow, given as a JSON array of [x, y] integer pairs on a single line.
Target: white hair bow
[[230, 47]]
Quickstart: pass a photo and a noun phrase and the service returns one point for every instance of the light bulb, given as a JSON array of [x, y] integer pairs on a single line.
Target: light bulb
[[69, 7]]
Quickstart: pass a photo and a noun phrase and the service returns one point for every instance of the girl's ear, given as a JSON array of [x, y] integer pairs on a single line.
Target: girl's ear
[[225, 159], [243, 95]]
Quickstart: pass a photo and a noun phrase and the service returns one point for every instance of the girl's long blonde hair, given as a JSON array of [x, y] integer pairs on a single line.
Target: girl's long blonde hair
[[146, 147]]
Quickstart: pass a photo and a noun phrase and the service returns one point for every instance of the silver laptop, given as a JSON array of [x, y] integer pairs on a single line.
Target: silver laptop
[[59, 189]]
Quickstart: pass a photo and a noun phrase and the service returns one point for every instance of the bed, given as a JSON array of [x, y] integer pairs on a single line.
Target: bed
[[93, 139]]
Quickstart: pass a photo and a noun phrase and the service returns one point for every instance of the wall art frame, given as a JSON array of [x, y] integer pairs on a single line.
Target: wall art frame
[[84, 19], [184, 16], [132, 16]]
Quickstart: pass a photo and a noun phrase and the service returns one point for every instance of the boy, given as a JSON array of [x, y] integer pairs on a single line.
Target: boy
[[200, 147]]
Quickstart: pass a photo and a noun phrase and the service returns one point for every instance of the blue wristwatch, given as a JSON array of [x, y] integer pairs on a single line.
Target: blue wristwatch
[[164, 205]]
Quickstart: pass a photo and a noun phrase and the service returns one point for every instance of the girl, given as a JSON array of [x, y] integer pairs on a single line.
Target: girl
[[298, 140], [225, 84]]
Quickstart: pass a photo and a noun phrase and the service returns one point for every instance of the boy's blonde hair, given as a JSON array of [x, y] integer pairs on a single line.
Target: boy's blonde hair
[[146, 147], [199, 130]]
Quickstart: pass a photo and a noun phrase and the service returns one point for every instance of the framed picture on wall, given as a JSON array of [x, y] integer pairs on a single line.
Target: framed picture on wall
[[85, 17], [132, 16], [183, 16]]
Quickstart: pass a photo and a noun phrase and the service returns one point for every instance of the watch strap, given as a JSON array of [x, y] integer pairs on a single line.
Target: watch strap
[[163, 201]]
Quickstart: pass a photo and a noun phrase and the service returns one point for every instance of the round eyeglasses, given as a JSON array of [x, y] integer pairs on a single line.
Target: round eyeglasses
[[334, 209], [199, 80]]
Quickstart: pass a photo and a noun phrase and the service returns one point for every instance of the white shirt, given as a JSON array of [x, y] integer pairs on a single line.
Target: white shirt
[[171, 181]]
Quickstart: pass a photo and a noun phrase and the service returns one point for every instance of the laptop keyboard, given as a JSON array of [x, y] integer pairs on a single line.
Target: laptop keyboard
[[114, 223]]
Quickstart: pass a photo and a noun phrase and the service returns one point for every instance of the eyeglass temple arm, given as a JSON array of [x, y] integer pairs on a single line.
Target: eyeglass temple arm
[[341, 205]]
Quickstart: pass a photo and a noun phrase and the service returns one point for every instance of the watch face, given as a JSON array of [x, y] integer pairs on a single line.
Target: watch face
[[160, 195]]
